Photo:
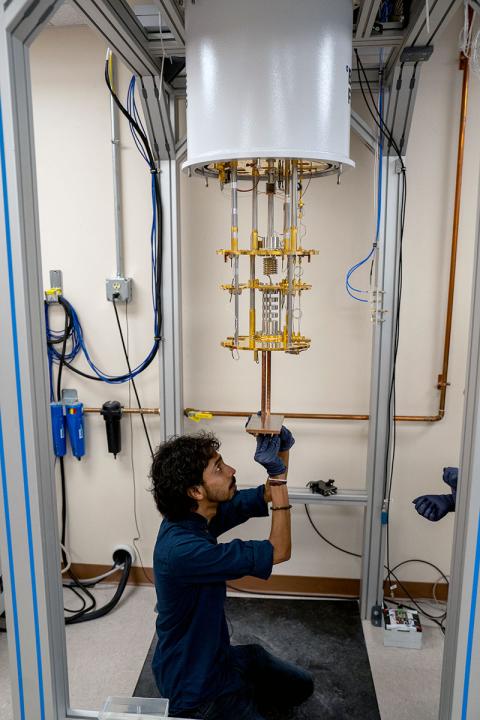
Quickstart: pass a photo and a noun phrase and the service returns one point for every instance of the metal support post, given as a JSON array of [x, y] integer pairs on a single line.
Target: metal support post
[[171, 378], [174, 19], [400, 103], [28, 529], [157, 112], [361, 128], [459, 696], [387, 266], [171, 357], [29, 538], [117, 183], [420, 32]]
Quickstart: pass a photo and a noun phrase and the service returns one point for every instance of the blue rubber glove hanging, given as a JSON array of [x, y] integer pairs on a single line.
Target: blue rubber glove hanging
[[450, 476], [286, 439], [266, 454], [434, 507]]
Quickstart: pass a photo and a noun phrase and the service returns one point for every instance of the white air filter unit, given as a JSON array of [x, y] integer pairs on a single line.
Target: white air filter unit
[[269, 79]]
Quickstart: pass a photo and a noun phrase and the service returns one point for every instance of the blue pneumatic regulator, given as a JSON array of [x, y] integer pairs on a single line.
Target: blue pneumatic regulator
[[58, 429], [74, 412]]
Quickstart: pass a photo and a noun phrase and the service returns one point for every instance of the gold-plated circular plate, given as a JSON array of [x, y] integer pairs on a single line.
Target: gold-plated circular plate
[[306, 168], [274, 343]]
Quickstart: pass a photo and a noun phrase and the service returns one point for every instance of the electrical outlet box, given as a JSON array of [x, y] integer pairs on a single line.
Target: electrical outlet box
[[119, 289]]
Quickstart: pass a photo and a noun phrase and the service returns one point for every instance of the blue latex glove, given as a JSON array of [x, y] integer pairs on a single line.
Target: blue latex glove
[[266, 454], [450, 476], [286, 439], [434, 507]]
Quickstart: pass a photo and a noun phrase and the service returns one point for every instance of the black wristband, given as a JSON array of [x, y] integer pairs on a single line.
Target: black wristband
[[281, 507]]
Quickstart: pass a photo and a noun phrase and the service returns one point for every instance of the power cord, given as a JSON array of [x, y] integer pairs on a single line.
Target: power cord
[[125, 351], [138, 536], [438, 619], [86, 612], [85, 615], [347, 552]]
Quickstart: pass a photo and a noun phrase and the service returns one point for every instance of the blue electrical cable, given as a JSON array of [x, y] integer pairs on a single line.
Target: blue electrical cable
[[75, 331], [348, 286], [78, 345], [136, 114], [153, 246], [133, 110]]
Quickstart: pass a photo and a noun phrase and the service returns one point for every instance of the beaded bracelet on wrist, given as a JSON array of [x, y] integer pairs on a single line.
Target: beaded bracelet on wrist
[[273, 482]]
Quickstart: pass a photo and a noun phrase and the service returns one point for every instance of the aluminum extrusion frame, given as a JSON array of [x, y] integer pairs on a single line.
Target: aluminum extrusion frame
[[27, 498], [459, 696], [381, 415], [29, 538]]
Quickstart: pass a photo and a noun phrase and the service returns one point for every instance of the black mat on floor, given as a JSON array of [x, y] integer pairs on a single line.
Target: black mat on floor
[[325, 637]]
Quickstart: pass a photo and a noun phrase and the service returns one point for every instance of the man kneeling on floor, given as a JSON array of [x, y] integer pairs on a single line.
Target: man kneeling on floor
[[194, 664]]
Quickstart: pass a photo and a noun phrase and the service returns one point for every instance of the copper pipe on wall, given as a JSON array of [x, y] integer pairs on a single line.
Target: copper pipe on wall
[[127, 411], [297, 416], [442, 378], [442, 382]]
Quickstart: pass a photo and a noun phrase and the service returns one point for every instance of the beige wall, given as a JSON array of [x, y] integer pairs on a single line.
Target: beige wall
[[76, 216]]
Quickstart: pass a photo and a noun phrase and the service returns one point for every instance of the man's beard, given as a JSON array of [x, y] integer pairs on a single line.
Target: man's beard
[[223, 494]]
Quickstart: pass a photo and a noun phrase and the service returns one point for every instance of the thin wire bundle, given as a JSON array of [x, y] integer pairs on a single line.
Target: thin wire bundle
[[141, 141], [74, 334], [351, 290], [73, 331]]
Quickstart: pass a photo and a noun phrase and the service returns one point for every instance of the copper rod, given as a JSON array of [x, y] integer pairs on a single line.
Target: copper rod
[[127, 411], [299, 416], [443, 378], [316, 416], [263, 406], [269, 383]]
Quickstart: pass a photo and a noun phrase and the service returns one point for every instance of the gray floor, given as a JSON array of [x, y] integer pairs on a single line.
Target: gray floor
[[105, 658]]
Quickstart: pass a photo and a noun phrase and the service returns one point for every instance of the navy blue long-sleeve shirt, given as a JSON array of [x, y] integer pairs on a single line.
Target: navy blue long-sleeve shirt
[[193, 662]]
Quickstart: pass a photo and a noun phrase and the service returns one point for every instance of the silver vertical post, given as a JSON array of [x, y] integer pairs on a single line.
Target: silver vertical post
[[459, 697], [253, 246], [29, 536], [117, 190], [171, 373], [294, 206], [236, 259], [289, 221], [292, 246], [270, 207], [381, 420]]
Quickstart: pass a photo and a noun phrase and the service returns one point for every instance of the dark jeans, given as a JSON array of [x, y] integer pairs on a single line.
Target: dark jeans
[[270, 683]]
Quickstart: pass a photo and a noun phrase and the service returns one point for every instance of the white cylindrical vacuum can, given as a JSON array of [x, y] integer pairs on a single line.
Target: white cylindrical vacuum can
[[268, 79]]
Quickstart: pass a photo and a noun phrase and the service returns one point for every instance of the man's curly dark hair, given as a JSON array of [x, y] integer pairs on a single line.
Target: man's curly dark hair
[[178, 464]]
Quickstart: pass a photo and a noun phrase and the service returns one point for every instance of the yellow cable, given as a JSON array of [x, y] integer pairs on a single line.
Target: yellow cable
[[110, 69]]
